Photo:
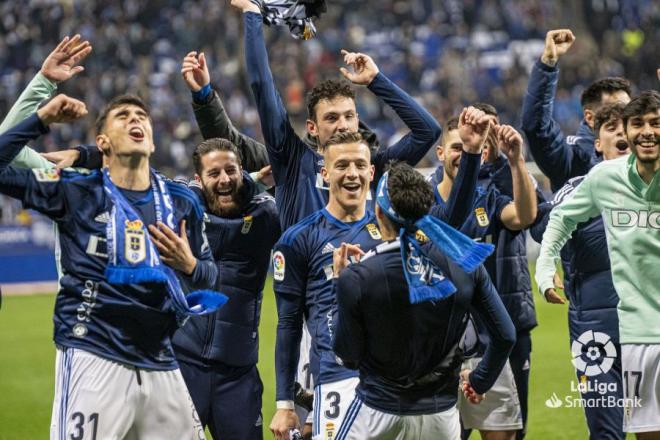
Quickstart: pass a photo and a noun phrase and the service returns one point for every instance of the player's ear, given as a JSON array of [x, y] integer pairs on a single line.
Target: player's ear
[[439, 152], [197, 178], [325, 174], [103, 144], [372, 173], [312, 128], [597, 146], [589, 116]]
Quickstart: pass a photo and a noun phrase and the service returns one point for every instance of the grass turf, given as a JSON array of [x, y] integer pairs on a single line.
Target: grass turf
[[27, 370]]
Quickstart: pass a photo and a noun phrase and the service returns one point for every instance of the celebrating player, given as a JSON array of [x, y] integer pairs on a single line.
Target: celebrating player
[[117, 303], [626, 191]]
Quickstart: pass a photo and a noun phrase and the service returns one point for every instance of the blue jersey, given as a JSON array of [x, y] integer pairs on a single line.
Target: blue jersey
[[129, 324], [241, 250], [409, 355], [300, 190], [302, 269]]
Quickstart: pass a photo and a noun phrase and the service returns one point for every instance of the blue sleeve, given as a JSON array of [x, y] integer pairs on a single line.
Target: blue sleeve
[[461, 198], [282, 143], [205, 274], [38, 189], [289, 284], [556, 158], [500, 328], [537, 228], [424, 129], [290, 309], [349, 339], [90, 157]]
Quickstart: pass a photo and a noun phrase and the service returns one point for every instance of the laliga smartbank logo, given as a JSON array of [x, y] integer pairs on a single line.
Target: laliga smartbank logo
[[593, 355]]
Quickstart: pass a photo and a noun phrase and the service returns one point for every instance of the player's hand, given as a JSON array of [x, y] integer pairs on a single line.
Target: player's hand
[[265, 176], [61, 109], [174, 249], [61, 63], [63, 158], [195, 71], [245, 6], [364, 68], [510, 142], [551, 294], [557, 43], [341, 257], [283, 421], [470, 394], [474, 127]]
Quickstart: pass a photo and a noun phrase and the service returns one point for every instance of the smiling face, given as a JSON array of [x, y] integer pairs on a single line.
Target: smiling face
[[221, 177], [348, 172], [644, 135], [335, 115], [126, 130], [452, 149]]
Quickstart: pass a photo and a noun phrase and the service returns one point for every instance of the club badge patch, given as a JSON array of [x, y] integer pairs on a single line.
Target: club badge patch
[[278, 266], [482, 217], [44, 175], [247, 224], [136, 245], [421, 237], [374, 232]]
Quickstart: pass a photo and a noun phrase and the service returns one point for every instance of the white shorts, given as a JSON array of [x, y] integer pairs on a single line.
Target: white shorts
[[331, 402], [641, 387], [100, 399], [500, 409], [364, 422]]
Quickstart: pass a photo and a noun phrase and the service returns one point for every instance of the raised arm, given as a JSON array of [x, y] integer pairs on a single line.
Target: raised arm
[[38, 189], [558, 159], [212, 119], [474, 128], [282, 143], [424, 129], [564, 218], [60, 65], [522, 212]]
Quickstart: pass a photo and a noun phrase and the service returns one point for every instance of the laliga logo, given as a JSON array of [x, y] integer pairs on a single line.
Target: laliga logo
[[593, 353]]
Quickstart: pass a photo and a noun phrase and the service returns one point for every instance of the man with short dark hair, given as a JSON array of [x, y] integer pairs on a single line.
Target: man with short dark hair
[[406, 345], [593, 299], [120, 299], [626, 192], [218, 353], [560, 157]]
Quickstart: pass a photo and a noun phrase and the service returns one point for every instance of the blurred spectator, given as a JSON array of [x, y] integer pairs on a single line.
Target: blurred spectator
[[446, 54]]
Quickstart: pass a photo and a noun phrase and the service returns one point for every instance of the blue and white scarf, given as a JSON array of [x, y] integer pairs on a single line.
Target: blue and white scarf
[[426, 282], [133, 257]]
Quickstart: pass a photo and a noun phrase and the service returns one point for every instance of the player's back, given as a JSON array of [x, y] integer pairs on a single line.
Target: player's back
[[411, 358]]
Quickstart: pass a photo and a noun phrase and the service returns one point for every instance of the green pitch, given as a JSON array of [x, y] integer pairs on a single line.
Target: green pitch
[[27, 367]]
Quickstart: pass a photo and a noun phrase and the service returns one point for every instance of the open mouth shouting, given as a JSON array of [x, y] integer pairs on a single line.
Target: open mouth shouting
[[622, 146], [136, 134], [352, 188]]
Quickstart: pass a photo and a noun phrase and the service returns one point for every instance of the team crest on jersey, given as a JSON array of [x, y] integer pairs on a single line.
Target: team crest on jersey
[[329, 430], [279, 265], [136, 244], [482, 217], [421, 237], [247, 224], [44, 175], [374, 232]]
